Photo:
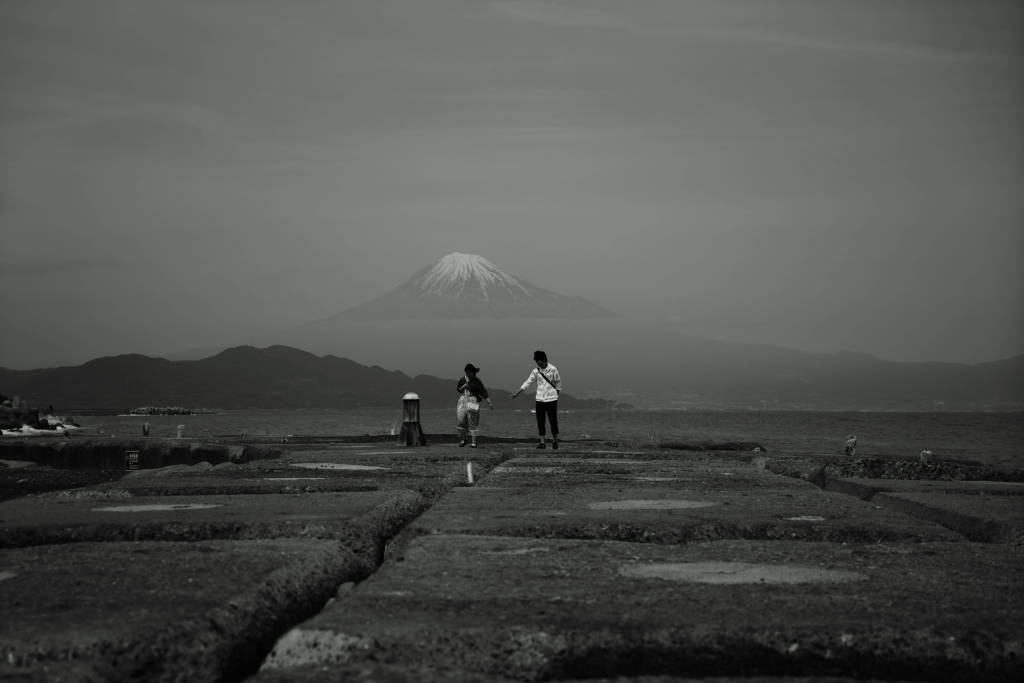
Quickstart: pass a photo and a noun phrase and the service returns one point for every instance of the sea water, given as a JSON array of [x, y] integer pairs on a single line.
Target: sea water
[[989, 438]]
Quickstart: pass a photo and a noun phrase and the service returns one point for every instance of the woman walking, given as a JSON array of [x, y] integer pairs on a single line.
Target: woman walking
[[471, 392], [549, 386]]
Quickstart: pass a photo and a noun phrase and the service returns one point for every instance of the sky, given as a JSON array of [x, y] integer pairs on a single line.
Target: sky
[[820, 174]]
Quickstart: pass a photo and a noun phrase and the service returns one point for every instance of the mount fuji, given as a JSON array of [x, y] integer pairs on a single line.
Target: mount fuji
[[468, 286]]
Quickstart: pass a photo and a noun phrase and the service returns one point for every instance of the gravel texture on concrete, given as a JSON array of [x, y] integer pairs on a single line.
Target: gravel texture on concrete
[[385, 673], [361, 520], [894, 468], [662, 501], [158, 612], [986, 510], [987, 518], [597, 562], [554, 609], [866, 489], [109, 453], [359, 468], [16, 482]]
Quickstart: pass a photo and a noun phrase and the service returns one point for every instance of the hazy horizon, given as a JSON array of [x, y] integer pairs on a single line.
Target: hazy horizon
[[820, 175]]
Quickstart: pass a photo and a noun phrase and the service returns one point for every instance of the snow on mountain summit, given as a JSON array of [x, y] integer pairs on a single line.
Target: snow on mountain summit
[[457, 269], [470, 286]]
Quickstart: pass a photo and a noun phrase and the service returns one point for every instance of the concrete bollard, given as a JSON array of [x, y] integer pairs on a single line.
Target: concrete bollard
[[145, 429], [181, 431], [412, 431]]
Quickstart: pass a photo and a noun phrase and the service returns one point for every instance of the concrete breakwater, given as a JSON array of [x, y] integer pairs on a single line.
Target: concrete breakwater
[[126, 454], [366, 561]]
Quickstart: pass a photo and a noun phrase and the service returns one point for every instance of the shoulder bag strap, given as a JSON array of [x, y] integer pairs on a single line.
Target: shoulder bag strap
[[546, 379]]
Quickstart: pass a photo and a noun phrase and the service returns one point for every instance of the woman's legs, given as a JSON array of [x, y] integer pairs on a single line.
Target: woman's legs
[[474, 424], [463, 425]]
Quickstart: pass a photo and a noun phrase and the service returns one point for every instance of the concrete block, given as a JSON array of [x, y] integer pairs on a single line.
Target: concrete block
[[556, 609], [206, 611], [663, 502]]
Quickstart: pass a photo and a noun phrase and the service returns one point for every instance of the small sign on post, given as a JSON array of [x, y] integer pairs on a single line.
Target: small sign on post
[[131, 460], [412, 431]]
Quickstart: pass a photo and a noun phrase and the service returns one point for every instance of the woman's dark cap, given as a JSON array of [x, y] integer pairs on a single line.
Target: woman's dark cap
[[471, 368]]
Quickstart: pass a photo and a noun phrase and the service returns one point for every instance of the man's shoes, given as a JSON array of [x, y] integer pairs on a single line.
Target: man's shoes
[[554, 444], [461, 444], [541, 446]]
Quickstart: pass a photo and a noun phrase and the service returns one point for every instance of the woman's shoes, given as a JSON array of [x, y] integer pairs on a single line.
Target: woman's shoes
[[472, 445], [554, 444], [541, 445], [461, 444]]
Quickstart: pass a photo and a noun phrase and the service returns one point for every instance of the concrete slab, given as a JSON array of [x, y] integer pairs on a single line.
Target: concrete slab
[[371, 672], [362, 520], [551, 609], [429, 472], [866, 488], [987, 518], [978, 509], [703, 471], [34, 479], [110, 453], [662, 502], [204, 611]]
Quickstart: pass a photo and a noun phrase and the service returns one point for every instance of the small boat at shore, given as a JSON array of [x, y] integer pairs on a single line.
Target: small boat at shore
[[27, 430]]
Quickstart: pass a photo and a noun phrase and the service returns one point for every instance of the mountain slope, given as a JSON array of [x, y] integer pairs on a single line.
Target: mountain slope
[[469, 286]]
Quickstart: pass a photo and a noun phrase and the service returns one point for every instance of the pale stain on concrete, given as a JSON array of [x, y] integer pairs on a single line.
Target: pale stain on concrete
[[334, 466], [650, 504], [517, 551], [157, 507], [738, 572]]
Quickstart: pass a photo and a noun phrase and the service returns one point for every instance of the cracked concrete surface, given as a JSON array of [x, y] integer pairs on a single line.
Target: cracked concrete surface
[[602, 563]]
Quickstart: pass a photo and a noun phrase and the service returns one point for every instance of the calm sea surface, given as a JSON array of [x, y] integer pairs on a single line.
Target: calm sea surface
[[990, 438]]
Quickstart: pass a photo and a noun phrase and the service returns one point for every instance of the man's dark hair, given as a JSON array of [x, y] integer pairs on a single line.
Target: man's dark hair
[[540, 356]]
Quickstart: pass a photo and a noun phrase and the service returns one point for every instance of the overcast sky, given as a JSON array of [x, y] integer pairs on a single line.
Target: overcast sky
[[821, 174]]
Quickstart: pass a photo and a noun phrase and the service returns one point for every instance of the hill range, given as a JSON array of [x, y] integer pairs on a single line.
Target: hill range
[[240, 377], [727, 376], [463, 308]]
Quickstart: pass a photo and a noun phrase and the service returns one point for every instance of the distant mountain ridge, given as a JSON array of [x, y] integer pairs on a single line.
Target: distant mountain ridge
[[239, 377], [469, 286], [705, 373], [659, 364]]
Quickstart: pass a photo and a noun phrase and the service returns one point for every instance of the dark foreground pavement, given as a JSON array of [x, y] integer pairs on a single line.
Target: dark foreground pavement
[[371, 562]]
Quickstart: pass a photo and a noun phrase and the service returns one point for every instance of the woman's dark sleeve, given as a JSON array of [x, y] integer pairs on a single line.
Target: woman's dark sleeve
[[461, 385], [483, 391]]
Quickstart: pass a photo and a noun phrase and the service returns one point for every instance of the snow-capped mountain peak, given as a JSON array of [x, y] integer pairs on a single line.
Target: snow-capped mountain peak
[[462, 285], [458, 269]]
